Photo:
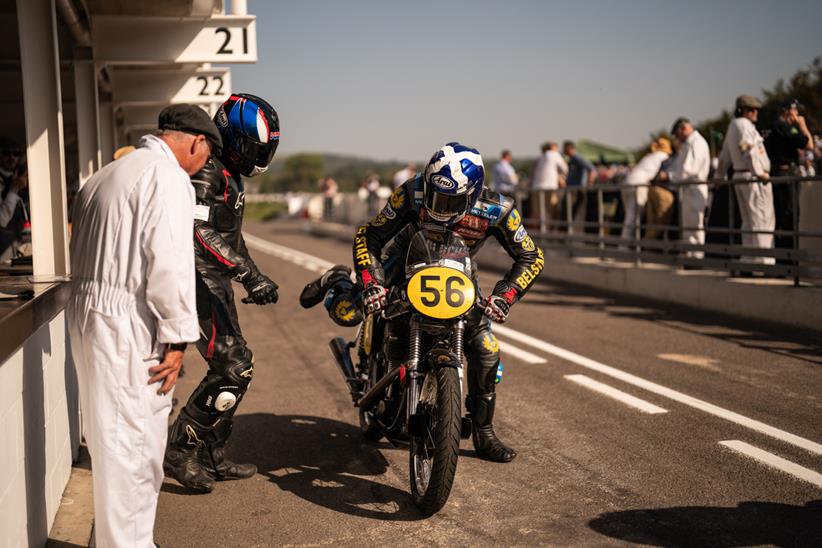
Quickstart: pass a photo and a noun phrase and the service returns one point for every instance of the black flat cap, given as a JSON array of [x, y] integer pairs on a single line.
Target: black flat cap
[[191, 119]]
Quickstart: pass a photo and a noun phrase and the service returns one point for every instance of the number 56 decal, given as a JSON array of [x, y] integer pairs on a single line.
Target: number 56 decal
[[440, 292]]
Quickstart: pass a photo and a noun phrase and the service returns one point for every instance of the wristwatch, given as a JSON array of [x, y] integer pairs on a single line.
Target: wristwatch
[[178, 346]]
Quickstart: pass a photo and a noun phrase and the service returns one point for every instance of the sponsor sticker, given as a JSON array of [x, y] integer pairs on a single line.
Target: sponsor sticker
[[201, 212], [388, 212], [520, 234], [443, 182]]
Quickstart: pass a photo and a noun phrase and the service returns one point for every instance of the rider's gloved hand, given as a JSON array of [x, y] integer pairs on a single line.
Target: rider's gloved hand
[[496, 308], [261, 290], [374, 298]]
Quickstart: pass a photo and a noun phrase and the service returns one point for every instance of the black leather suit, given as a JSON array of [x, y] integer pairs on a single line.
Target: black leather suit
[[220, 257], [493, 215]]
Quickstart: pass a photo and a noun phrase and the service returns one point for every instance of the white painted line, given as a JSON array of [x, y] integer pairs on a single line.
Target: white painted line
[[806, 444], [709, 408], [520, 354], [612, 392], [305, 260], [769, 459]]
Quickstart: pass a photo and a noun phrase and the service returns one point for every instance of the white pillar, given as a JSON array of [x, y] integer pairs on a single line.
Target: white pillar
[[106, 129], [239, 7], [40, 64], [88, 140]]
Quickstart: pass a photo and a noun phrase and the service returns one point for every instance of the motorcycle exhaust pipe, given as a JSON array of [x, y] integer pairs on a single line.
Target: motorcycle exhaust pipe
[[372, 396], [339, 349]]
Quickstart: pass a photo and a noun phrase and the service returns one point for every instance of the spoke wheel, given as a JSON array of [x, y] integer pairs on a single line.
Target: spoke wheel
[[433, 455]]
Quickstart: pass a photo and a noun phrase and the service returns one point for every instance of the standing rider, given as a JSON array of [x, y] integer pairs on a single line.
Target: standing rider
[[250, 130], [449, 195]]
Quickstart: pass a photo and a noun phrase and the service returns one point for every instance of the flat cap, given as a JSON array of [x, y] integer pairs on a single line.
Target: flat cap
[[788, 104], [191, 119], [747, 101]]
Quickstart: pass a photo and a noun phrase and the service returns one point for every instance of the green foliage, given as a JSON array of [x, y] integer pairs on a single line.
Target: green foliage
[[263, 211]]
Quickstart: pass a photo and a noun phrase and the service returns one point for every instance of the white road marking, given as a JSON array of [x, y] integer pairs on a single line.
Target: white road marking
[[690, 401], [320, 265], [520, 354], [305, 260], [769, 459], [627, 399]]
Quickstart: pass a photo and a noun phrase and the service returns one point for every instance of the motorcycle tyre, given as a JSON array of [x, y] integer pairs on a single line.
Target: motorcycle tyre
[[446, 445]]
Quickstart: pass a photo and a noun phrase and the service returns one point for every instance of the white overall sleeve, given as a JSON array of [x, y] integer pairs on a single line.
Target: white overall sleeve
[[169, 250]]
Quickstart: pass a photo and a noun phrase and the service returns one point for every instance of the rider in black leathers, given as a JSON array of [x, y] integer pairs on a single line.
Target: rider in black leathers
[[195, 455], [491, 214]]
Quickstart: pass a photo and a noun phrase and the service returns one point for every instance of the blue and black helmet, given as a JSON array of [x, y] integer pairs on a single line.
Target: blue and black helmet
[[452, 182], [250, 129]]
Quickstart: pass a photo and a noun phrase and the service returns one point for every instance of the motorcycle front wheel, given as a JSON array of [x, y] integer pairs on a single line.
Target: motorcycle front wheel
[[433, 455]]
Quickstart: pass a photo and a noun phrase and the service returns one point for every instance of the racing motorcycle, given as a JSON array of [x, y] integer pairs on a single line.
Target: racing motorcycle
[[407, 382]]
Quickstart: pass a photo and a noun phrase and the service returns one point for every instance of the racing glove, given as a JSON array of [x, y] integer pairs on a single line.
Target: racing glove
[[498, 305], [261, 290], [374, 298]]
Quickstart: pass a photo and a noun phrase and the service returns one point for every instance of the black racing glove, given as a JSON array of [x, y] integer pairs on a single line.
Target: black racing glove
[[374, 298], [496, 308], [261, 290]]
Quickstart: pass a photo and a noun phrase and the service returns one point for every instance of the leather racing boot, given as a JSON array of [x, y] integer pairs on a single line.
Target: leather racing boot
[[181, 460], [212, 455], [314, 292], [486, 443]]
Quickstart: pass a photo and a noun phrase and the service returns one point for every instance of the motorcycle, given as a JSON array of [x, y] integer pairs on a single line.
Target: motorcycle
[[407, 382]]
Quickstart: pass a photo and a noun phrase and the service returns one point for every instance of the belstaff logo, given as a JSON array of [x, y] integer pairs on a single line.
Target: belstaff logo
[[490, 343], [344, 311], [379, 220], [513, 221], [397, 198], [528, 244], [443, 182]]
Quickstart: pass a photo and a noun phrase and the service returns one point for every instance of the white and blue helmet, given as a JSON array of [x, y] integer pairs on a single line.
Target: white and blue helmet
[[452, 182]]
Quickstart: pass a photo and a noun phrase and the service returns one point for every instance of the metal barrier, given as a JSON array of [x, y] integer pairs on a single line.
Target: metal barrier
[[587, 222]]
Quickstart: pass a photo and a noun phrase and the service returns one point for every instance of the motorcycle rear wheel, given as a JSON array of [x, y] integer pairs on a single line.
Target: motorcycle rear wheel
[[433, 456]]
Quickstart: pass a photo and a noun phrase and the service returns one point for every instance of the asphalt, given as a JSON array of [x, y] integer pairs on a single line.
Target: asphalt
[[591, 470]]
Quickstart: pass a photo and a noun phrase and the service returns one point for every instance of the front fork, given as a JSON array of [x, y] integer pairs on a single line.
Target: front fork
[[416, 379]]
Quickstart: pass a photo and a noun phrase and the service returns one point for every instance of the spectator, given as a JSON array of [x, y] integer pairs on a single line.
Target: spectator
[[131, 313], [549, 175], [635, 198], [329, 187], [370, 185], [581, 173], [505, 179], [403, 175], [744, 151], [789, 134], [13, 182], [692, 162]]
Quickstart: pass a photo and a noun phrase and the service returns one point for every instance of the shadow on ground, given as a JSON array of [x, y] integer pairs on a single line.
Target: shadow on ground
[[748, 524], [323, 461]]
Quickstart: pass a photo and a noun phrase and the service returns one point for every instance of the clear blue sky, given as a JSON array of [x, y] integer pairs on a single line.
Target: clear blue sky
[[391, 79]]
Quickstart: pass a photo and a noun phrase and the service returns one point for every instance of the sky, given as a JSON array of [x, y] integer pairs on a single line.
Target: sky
[[387, 79]]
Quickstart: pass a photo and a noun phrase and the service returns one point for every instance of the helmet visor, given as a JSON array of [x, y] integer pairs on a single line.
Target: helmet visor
[[259, 154], [446, 205]]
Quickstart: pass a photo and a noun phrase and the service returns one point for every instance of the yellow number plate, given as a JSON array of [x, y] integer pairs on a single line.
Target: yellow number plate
[[441, 292]]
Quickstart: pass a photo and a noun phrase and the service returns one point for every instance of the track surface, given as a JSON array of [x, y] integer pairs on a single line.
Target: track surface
[[634, 423]]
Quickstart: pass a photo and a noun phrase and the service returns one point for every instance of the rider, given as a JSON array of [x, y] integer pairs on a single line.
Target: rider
[[449, 195], [250, 130]]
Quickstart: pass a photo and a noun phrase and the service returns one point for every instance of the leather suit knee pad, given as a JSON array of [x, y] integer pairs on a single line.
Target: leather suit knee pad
[[221, 391]]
